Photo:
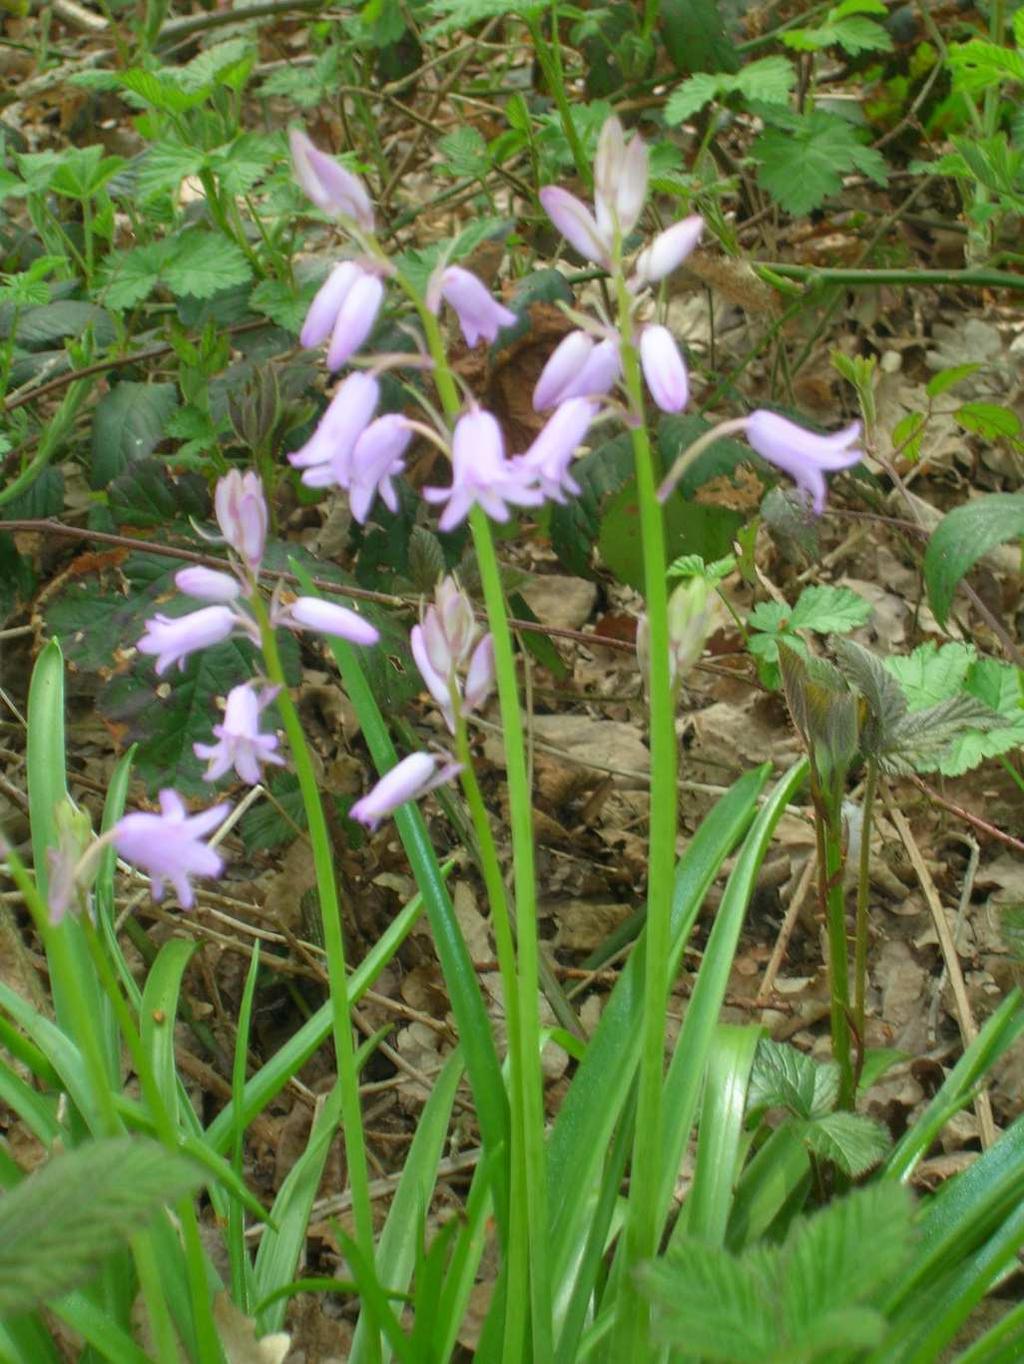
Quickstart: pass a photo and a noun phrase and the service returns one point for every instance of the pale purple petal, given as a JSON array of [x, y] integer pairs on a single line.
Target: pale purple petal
[[242, 514], [668, 250], [375, 460], [168, 847], [563, 366], [311, 613], [207, 584], [413, 777], [481, 474], [664, 369], [323, 311], [330, 186], [608, 167], [172, 639], [480, 314], [480, 675], [355, 319], [599, 375], [631, 191], [241, 744], [802, 454], [576, 223], [549, 457], [347, 416], [436, 683]]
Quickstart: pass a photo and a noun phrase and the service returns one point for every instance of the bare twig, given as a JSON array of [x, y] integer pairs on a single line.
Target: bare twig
[[965, 1016]]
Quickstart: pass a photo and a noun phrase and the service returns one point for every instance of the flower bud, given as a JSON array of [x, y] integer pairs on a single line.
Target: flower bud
[[664, 369], [331, 187], [576, 224], [668, 251], [694, 612], [311, 613], [242, 515], [413, 777], [356, 316], [207, 584]]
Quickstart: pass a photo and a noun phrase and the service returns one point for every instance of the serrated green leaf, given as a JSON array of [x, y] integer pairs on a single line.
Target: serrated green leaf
[[284, 305], [922, 739], [769, 79], [713, 1302], [962, 537], [464, 152], [852, 32], [463, 14], [245, 162], [203, 264], [829, 610], [164, 166], [784, 1077], [990, 420], [145, 494], [931, 674], [695, 36], [158, 91], [211, 66], [886, 703], [840, 1256], [52, 1238], [850, 1141], [691, 96], [980, 65], [128, 277], [67, 317], [770, 616], [803, 161]]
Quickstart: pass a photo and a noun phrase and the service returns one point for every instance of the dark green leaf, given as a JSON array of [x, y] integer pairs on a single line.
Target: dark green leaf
[[129, 423], [695, 36], [68, 317], [962, 537], [145, 494]]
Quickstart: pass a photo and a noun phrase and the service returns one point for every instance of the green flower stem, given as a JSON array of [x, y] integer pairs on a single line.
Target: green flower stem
[[490, 868], [642, 1222], [831, 864], [527, 1257], [549, 56], [334, 947], [860, 956], [524, 882]]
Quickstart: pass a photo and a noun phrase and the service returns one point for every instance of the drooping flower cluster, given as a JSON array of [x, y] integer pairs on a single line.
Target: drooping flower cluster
[[590, 365]]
